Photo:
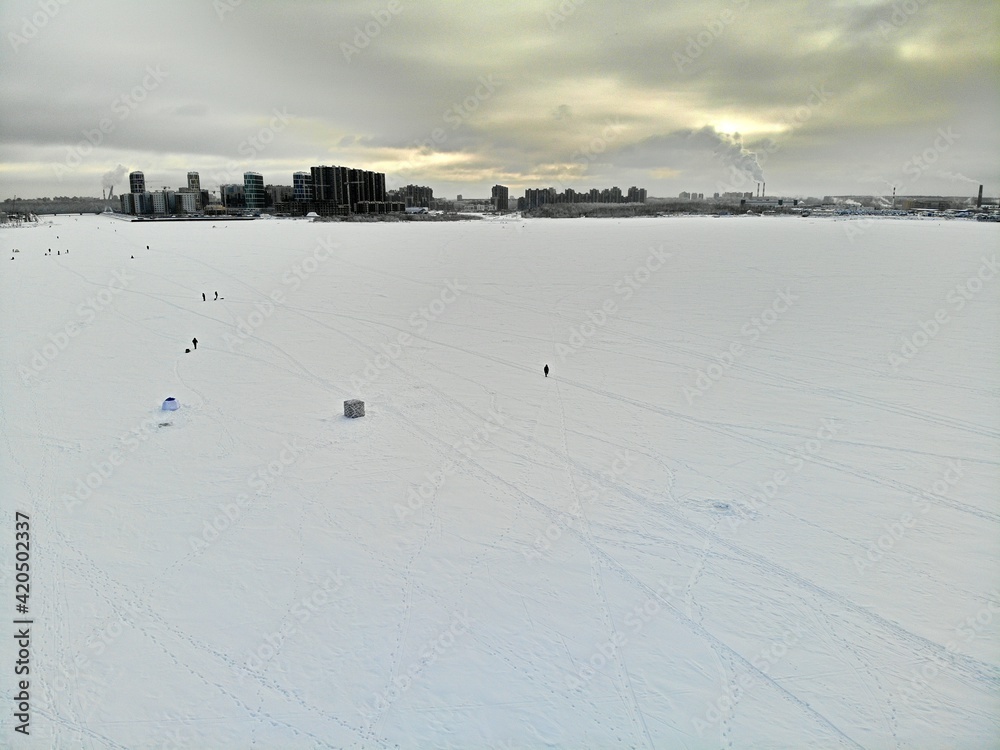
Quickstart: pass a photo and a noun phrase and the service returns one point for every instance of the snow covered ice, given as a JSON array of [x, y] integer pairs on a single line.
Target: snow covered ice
[[754, 504]]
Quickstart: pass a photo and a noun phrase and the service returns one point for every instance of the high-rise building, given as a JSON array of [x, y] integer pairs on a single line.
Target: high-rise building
[[136, 182], [278, 194], [500, 198], [232, 196], [187, 202], [354, 190], [325, 181], [253, 191], [414, 196], [303, 186], [137, 203], [538, 197], [533, 198], [636, 195], [163, 201], [194, 181]]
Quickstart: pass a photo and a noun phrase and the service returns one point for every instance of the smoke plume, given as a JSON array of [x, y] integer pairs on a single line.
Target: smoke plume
[[729, 148], [113, 177]]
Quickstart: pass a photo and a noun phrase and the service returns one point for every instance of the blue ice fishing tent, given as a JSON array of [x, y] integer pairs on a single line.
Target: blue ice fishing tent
[[170, 404]]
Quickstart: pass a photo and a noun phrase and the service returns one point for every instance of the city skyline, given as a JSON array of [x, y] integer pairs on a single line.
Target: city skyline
[[839, 98]]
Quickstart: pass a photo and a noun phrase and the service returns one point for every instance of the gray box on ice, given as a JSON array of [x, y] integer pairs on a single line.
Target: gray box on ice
[[354, 408]]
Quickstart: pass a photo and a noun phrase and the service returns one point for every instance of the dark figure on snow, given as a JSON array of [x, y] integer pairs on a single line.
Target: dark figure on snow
[[187, 351], [546, 371], [217, 295], [202, 296], [195, 342]]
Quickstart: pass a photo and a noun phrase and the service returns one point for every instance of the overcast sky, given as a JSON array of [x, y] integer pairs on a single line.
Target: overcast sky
[[817, 97]]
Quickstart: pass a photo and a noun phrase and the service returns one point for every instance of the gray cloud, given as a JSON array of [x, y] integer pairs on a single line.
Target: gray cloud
[[693, 91]]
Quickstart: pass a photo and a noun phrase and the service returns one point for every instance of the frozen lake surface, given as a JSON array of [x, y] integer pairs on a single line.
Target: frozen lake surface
[[754, 504]]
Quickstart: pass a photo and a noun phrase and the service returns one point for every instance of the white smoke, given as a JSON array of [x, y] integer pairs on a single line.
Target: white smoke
[[959, 177], [113, 177], [732, 151], [729, 148]]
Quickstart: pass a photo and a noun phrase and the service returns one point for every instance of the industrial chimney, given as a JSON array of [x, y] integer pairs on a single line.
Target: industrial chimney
[[763, 190], [979, 200]]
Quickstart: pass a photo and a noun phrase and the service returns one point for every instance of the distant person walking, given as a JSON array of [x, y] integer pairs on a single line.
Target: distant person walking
[[546, 371], [202, 296], [195, 342], [217, 295]]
